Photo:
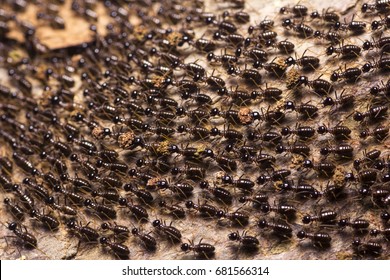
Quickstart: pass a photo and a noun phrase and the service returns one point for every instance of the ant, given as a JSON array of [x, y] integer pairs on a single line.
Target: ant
[[201, 249], [120, 250], [246, 241]]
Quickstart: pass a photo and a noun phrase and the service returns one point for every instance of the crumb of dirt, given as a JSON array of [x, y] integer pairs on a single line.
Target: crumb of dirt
[[126, 139], [98, 132], [245, 115], [338, 176]]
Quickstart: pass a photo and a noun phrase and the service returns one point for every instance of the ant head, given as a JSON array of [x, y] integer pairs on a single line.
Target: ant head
[[150, 99], [122, 201], [185, 247], [385, 178], [91, 176], [217, 35], [334, 77], [301, 234], [174, 148], [208, 152], [303, 80], [26, 180], [189, 204], [284, 186], [163, 184], [181, 128], [156, 223], [287, 23], [367, 45], [315, 14], [242, 199], [265, 208], [214, 112], [268, 43], [307, 163], [290, 61], [349, 177], [375, 232], [374, 90], [238, 51], [252, 135], [180, 111], [358, 116], [95, 193], [162, 203], [315, 194], [330, 50], [283, 10], [71, 224], [328, 101], [99, 163], [229, 148], [364, 8], [364, 191], [132, 172], [134, 231], [233, 236], [103, 240], [324, 151], [73, 157], [322, 129], [375, 25], [356, 242], [12, 226], [380, 165], [317, 34], [116, 119], [261, 179], [255, 94], [105, 226], [204, 185], [185, 95], [140, 162], [34, 171], [367, 67], [175, 170], [208, 20], [279, 149], [227, 179], [289, 105], [220, 213], [33, 212], [223, 90], [385, 216], [306, 219], [87, 202], [128, 187], [257, 64], [356, 163], [50, 200], [148, 111], [364, 134], [210, 56], [285, 131], [247, 42], [256, 115], [262, 223], [342, 223], [15, 187], [251, 29]]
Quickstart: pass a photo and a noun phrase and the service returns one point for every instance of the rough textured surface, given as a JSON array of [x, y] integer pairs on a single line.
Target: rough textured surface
[[63, 245]]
